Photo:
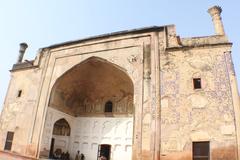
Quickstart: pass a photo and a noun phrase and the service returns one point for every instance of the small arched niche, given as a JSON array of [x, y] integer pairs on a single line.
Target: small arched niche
[[84, 89], [61, 128], [108, 107]]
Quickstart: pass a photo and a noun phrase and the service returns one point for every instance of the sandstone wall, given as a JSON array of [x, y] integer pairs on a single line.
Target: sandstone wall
[[18, 112]]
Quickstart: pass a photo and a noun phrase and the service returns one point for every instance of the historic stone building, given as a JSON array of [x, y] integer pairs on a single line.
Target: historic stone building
[[143, 94]]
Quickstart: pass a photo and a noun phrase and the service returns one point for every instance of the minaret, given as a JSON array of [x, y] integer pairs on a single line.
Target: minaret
[[215, 13], [23, 47]]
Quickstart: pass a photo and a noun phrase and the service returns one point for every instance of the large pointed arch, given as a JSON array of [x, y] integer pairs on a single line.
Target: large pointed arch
[[87, 86]]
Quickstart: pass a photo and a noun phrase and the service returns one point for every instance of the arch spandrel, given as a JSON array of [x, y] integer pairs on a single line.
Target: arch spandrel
[[130, 60]]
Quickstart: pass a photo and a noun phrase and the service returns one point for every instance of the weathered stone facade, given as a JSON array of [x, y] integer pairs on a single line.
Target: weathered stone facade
[[147, 74]]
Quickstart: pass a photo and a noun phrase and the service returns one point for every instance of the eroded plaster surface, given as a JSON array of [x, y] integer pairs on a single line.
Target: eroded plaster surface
[[205, 114]]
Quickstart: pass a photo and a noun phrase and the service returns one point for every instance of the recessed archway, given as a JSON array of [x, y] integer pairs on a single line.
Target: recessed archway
[[60, 138], [61, 128], [98, 98]]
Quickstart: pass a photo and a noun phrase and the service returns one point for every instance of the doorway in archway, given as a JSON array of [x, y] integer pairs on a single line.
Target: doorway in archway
[[51, 153], [104, 151]]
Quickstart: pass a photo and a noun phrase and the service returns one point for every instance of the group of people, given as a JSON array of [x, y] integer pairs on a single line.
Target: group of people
[[65, 156], [58, 154]]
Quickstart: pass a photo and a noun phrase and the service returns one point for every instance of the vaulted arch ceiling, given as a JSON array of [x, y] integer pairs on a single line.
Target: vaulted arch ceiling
[[93, 80]]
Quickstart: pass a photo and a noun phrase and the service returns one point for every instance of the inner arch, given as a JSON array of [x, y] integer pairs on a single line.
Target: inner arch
[[85, 89]]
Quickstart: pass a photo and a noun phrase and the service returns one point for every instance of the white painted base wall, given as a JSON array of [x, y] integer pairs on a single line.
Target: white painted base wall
[[87, 133]]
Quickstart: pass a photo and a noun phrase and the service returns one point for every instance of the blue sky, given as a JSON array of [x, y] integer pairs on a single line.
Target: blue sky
[[45, 22]]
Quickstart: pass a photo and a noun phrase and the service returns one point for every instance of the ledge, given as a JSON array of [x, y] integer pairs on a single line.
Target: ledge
[[22, 66], [208, 40], [119, 33], [197, 46]]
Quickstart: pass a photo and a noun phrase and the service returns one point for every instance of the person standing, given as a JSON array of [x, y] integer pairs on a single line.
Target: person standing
[[77, 157]]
